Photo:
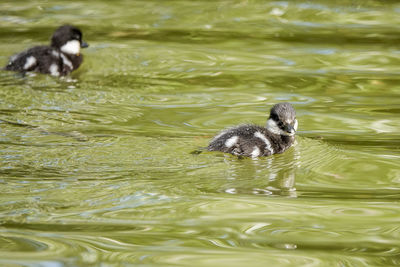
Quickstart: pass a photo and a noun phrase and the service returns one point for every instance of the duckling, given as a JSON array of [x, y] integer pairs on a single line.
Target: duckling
[[59, 59], [255, 141]]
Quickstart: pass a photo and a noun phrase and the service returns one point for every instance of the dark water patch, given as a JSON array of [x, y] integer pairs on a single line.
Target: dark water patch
[[62, 227]]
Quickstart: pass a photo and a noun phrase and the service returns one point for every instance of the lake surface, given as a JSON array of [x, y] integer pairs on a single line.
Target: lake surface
[[97, 169]]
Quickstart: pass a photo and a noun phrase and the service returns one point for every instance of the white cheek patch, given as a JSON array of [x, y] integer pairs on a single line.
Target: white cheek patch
[[71, 47], [266, 141], [30, 61], [231, 141], [295, 125], [273, 128], [54, 70]]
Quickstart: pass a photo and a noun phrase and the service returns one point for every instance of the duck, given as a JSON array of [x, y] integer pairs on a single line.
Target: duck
[[59, 59], [254, 141]]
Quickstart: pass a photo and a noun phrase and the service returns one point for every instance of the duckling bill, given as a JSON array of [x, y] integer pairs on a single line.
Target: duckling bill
[[256, 141], [59, 59]]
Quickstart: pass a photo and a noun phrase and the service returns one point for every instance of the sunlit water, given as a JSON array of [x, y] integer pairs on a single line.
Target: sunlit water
[[97, 169]]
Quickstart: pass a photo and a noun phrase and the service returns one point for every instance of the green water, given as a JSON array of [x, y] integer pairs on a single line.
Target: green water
[[96, 169]]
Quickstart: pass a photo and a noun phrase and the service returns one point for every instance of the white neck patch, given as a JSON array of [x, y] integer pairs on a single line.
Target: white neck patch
[[66, 61], [273, 128], [71, 47]]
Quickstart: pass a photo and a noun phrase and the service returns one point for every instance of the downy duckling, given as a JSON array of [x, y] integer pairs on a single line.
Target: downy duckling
[[255, 141], [59, 59]]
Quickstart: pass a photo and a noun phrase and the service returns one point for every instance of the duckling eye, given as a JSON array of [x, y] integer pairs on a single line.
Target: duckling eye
[[274, 117]]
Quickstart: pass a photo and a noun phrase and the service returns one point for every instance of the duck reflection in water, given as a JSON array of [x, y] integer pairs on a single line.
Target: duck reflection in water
[[274, 175]]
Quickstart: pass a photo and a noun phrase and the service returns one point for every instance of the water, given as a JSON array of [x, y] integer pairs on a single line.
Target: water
[[96, 169]]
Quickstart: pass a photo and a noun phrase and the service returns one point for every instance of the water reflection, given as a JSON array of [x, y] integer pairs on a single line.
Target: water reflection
[[275, 175]]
